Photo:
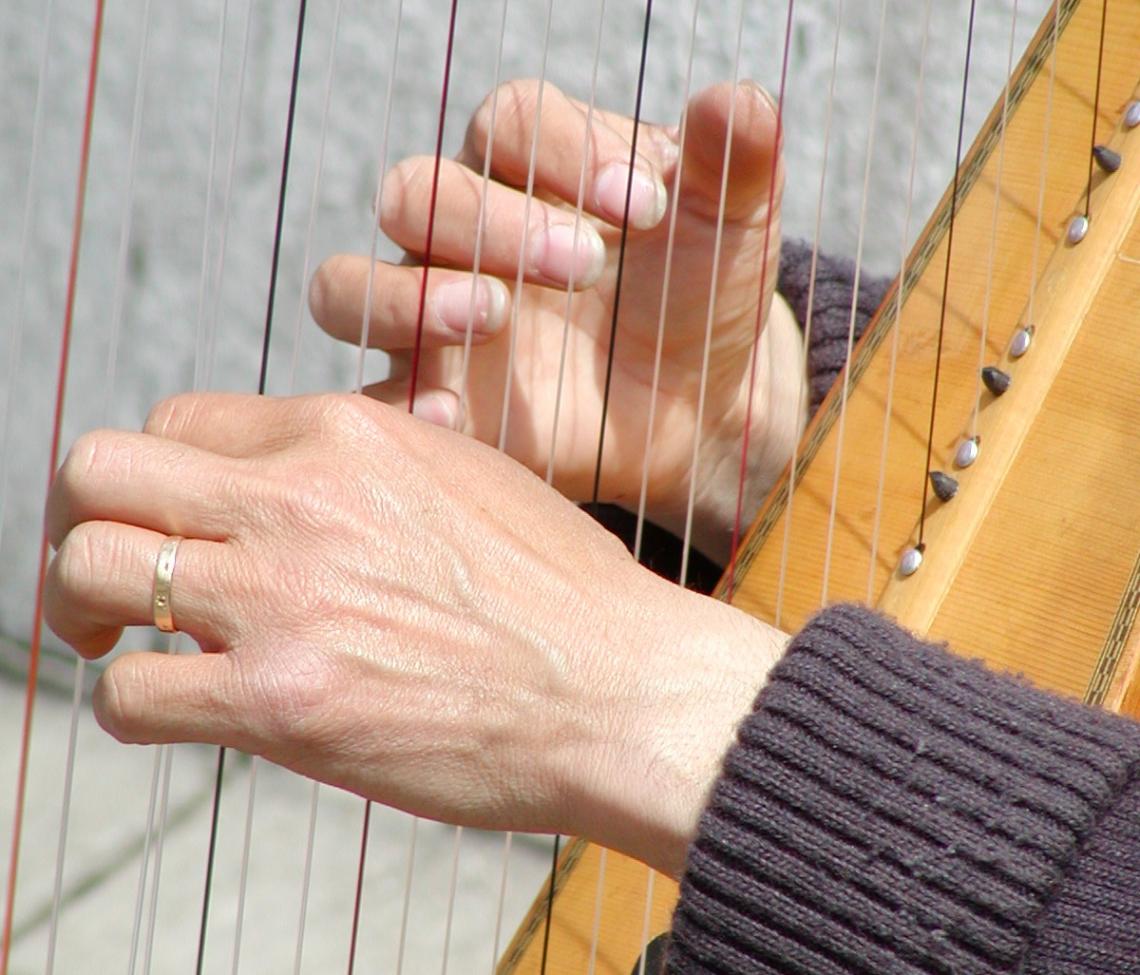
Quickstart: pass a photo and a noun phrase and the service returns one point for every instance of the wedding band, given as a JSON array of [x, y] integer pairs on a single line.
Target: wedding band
[[163, 580]]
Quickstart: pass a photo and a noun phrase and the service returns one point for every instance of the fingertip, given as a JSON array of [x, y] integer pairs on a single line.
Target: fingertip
[[754, 155], [642, 194], [155, 698], [476, 306]]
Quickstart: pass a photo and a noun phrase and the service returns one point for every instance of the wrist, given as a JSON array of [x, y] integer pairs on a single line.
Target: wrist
[[693, 667]]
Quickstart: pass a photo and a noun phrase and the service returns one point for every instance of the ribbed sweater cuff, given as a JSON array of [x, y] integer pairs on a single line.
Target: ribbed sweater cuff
[[889, 808]]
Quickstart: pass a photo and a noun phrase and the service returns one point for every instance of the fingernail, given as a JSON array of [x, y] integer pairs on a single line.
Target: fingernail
[[647, 196], [563, 250], [437, 407], [458, 306]]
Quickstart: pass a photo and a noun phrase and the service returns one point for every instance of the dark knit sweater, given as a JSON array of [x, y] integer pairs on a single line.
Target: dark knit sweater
[[889, 808]]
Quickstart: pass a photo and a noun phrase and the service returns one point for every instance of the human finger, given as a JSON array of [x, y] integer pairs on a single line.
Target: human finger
[[554, 247], [146, 481], [154, 698], [455, 302], [433, 404], [577, 152], [103, 577], [754, 173], [231, 424]]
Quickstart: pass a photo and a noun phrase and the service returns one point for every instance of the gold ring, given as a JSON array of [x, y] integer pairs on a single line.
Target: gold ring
[[163, 580]]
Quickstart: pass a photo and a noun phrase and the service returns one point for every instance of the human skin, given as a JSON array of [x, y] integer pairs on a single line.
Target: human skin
[[391, 606], [401, 611], [748, 257]]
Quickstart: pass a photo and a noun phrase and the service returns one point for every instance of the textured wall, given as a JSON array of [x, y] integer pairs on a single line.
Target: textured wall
[[142, 304]]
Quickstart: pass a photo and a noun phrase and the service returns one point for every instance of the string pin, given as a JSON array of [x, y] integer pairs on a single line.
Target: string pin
[[944, 485], [1020, 342], [1107, 159], [967, 452], [1132, 114], [1078, 227], [996, 381], [910, 561]]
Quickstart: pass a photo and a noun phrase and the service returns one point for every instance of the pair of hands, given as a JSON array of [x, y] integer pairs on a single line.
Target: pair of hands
[[408, 614]]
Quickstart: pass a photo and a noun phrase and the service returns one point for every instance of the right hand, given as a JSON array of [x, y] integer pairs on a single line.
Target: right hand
[[749, 242]]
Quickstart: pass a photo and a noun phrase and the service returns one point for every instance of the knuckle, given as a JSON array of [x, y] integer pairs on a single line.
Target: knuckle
[[299, 700], [508, 109], [169, 415], [399, 194], [347, 418], [91, 455], [321, 286], [119, 701], [82, 550]]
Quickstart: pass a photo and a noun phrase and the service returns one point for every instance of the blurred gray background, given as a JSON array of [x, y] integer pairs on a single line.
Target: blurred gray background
[[172, 290]]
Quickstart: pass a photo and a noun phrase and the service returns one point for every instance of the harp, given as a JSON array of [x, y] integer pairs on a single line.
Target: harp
[[1040, 540]]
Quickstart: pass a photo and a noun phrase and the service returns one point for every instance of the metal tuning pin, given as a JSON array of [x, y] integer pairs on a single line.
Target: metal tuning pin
[[967, 452], [997, 382], [1132, 114], [944, 485], [1020, 342], [910, 561], [1078, 227], [1106, 158]]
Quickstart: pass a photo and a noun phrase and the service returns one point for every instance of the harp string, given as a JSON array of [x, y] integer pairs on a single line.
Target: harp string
[[261, 388], [205, 341], [730, 569], [15, 337], [1044, 169], [109, 385], [528, 199], [846, 389], [1096, 105], [897, 329], [204, 351], [56, 435], [985, 330], [666, 281], [785, 548], [254, 761], [710, 313], [946, 274]]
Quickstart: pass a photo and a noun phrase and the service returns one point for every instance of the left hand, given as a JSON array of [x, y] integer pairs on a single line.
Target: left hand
[[398, 610]]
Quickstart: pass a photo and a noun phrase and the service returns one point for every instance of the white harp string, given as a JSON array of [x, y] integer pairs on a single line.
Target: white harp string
[[846, 372], [1034, 261], [829, 118], [710, 309], [16, 333], [983, 338], [896, 331], [120, 286]]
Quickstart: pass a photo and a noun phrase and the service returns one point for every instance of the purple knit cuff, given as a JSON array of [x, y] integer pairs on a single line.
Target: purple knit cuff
[[890, 808]]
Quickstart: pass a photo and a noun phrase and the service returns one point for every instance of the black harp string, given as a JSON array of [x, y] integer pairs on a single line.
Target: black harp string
[[621, 255], [445, 86], [219, 776], [1096, 107], [946, 275], [552, 887]]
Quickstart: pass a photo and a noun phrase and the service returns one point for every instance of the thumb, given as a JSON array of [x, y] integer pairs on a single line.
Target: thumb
[[753, 152]]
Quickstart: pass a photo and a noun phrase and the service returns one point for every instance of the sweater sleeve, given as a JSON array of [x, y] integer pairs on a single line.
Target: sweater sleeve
[[889, 808], [829, 306]]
